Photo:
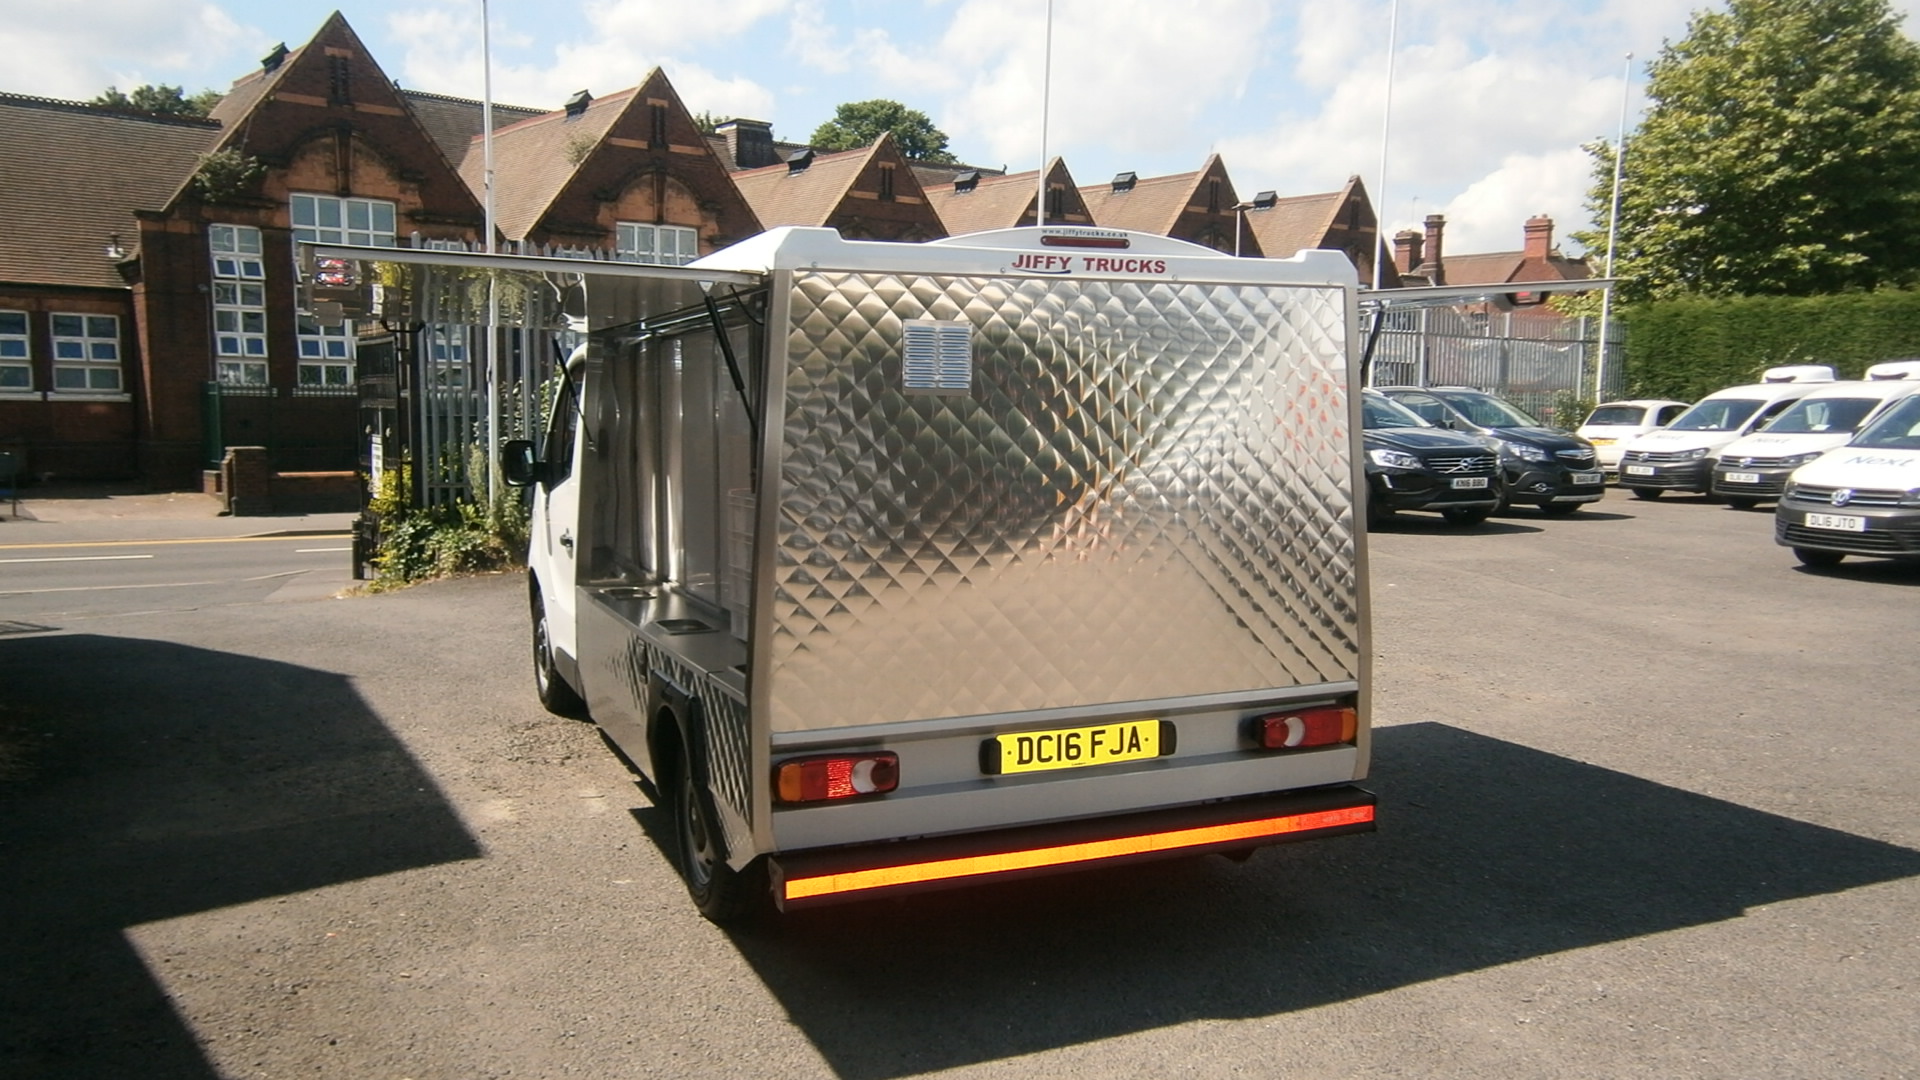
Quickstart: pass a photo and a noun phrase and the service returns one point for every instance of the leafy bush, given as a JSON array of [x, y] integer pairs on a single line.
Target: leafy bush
[[417, 544], [1687, 349]]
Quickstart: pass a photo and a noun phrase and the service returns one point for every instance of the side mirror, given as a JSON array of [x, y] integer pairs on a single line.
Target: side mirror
[[518, 466]]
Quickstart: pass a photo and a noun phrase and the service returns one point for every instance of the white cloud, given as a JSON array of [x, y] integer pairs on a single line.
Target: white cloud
[[77, 50], [617, 51], [1488, 215], [1128, 75]]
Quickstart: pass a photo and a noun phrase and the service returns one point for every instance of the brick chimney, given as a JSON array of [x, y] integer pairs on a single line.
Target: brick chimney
[[749, 143], [1539, 237], [1436, 225], [1406, 250]]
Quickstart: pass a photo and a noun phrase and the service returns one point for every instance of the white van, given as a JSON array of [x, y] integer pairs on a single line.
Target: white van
[[1614, 424], [1679, 457], [1862, 499], [1756, 466]]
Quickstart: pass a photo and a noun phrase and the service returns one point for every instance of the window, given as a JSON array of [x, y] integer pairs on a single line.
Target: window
[[327, 352], [339, 80], [86, 353], [323, 219], [239, 305], [886, 183], [16, 354], [326, 355], [666, 245]]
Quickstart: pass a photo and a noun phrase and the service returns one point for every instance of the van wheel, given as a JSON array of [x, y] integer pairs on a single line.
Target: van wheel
[[1466, 515], [1816, 557], [559, 698], [1741, 503], [1646, 493], [1559, 509], [722, 894]]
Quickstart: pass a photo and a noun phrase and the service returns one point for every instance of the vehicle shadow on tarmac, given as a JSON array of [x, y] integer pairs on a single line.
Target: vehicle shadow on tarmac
[[154, 780], [1488, 853]]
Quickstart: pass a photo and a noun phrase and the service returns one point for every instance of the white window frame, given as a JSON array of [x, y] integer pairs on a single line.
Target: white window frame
[[16, 355], [239, 305], [328, 354], [661, 245], [93, 354], [330, 219]]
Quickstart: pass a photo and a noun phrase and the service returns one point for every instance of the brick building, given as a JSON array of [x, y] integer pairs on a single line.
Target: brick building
[[1341, 220], [1195, 206], [973, 202], [867, 194]]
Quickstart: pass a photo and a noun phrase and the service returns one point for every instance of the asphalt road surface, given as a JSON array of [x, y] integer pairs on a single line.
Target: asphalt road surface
[[1647, 810]]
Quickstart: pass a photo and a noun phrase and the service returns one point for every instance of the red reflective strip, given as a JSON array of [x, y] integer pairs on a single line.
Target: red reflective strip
[[974, 865]]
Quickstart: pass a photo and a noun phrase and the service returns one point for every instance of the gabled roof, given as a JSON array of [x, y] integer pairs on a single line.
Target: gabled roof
[[781, 196], [1492, 267], [333, 83], [823, 190], [556, 174], [534, 158], [1152, 206], [1297, 222], [74, 175], [1000, 202], [455, 124]]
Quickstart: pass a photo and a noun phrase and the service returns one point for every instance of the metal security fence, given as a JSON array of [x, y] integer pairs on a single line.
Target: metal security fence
[[1530, 357]]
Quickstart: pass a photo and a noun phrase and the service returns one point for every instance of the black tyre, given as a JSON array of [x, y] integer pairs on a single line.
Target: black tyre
[[560, 698], [1559, 509], [1739, 503], [1466, 515], [726, 896], [1817, 557], [1646, 493], [1378, 513]]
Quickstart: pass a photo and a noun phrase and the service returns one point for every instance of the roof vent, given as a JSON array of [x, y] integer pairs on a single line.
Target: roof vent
[[271, 62], [578, 103], [966, 181], [1891, 369], [1266, 200], [1124, 182], [1798, 373], [798, 161]]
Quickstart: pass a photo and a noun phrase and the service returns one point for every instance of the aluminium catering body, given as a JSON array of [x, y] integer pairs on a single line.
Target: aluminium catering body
[[1132, 496]]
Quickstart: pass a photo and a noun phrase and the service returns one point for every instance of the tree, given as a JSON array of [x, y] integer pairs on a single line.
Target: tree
[[859, 123], [165, 100], [1780, 154]]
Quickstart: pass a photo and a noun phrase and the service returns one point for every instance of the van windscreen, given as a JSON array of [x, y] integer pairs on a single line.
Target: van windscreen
[[1717, 414]]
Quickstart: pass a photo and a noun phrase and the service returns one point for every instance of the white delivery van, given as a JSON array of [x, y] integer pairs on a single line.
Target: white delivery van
[[1611, 425], [1862, 499], [1679, 457], [1755, 467], [898, 566]]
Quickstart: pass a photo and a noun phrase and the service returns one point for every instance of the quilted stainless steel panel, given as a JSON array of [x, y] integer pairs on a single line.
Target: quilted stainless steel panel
[[1146, 495]]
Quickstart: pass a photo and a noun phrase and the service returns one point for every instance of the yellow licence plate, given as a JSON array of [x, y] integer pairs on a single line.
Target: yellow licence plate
[[1074, 748]]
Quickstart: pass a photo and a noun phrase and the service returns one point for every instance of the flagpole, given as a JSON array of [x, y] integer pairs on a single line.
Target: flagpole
[[493, 294], [1046, 95], [1380, 248], [1613, 235]]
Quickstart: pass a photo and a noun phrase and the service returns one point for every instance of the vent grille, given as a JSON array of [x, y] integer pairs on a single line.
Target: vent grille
[[938, 356]]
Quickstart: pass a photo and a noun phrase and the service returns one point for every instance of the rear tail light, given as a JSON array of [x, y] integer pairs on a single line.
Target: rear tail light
[[1320, 726], [841, 776]]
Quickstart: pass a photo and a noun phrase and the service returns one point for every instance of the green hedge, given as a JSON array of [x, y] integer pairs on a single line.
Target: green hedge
[[1687, 349]]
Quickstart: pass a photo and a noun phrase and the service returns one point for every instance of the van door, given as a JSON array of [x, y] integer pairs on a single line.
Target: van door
[[556, 520]]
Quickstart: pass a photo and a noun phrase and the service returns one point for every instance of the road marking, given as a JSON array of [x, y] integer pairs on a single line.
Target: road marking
[[158, 543], [79, 558], [310, 551], [108, 588]]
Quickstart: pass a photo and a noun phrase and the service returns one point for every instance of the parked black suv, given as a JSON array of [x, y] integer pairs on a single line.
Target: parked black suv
[[1412, 465], [1552, 470]]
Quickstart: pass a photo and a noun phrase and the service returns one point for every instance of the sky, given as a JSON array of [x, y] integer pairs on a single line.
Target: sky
[[1482, 120]]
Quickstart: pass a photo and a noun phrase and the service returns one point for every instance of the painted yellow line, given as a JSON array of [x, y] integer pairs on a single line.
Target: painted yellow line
[[193, 540]]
